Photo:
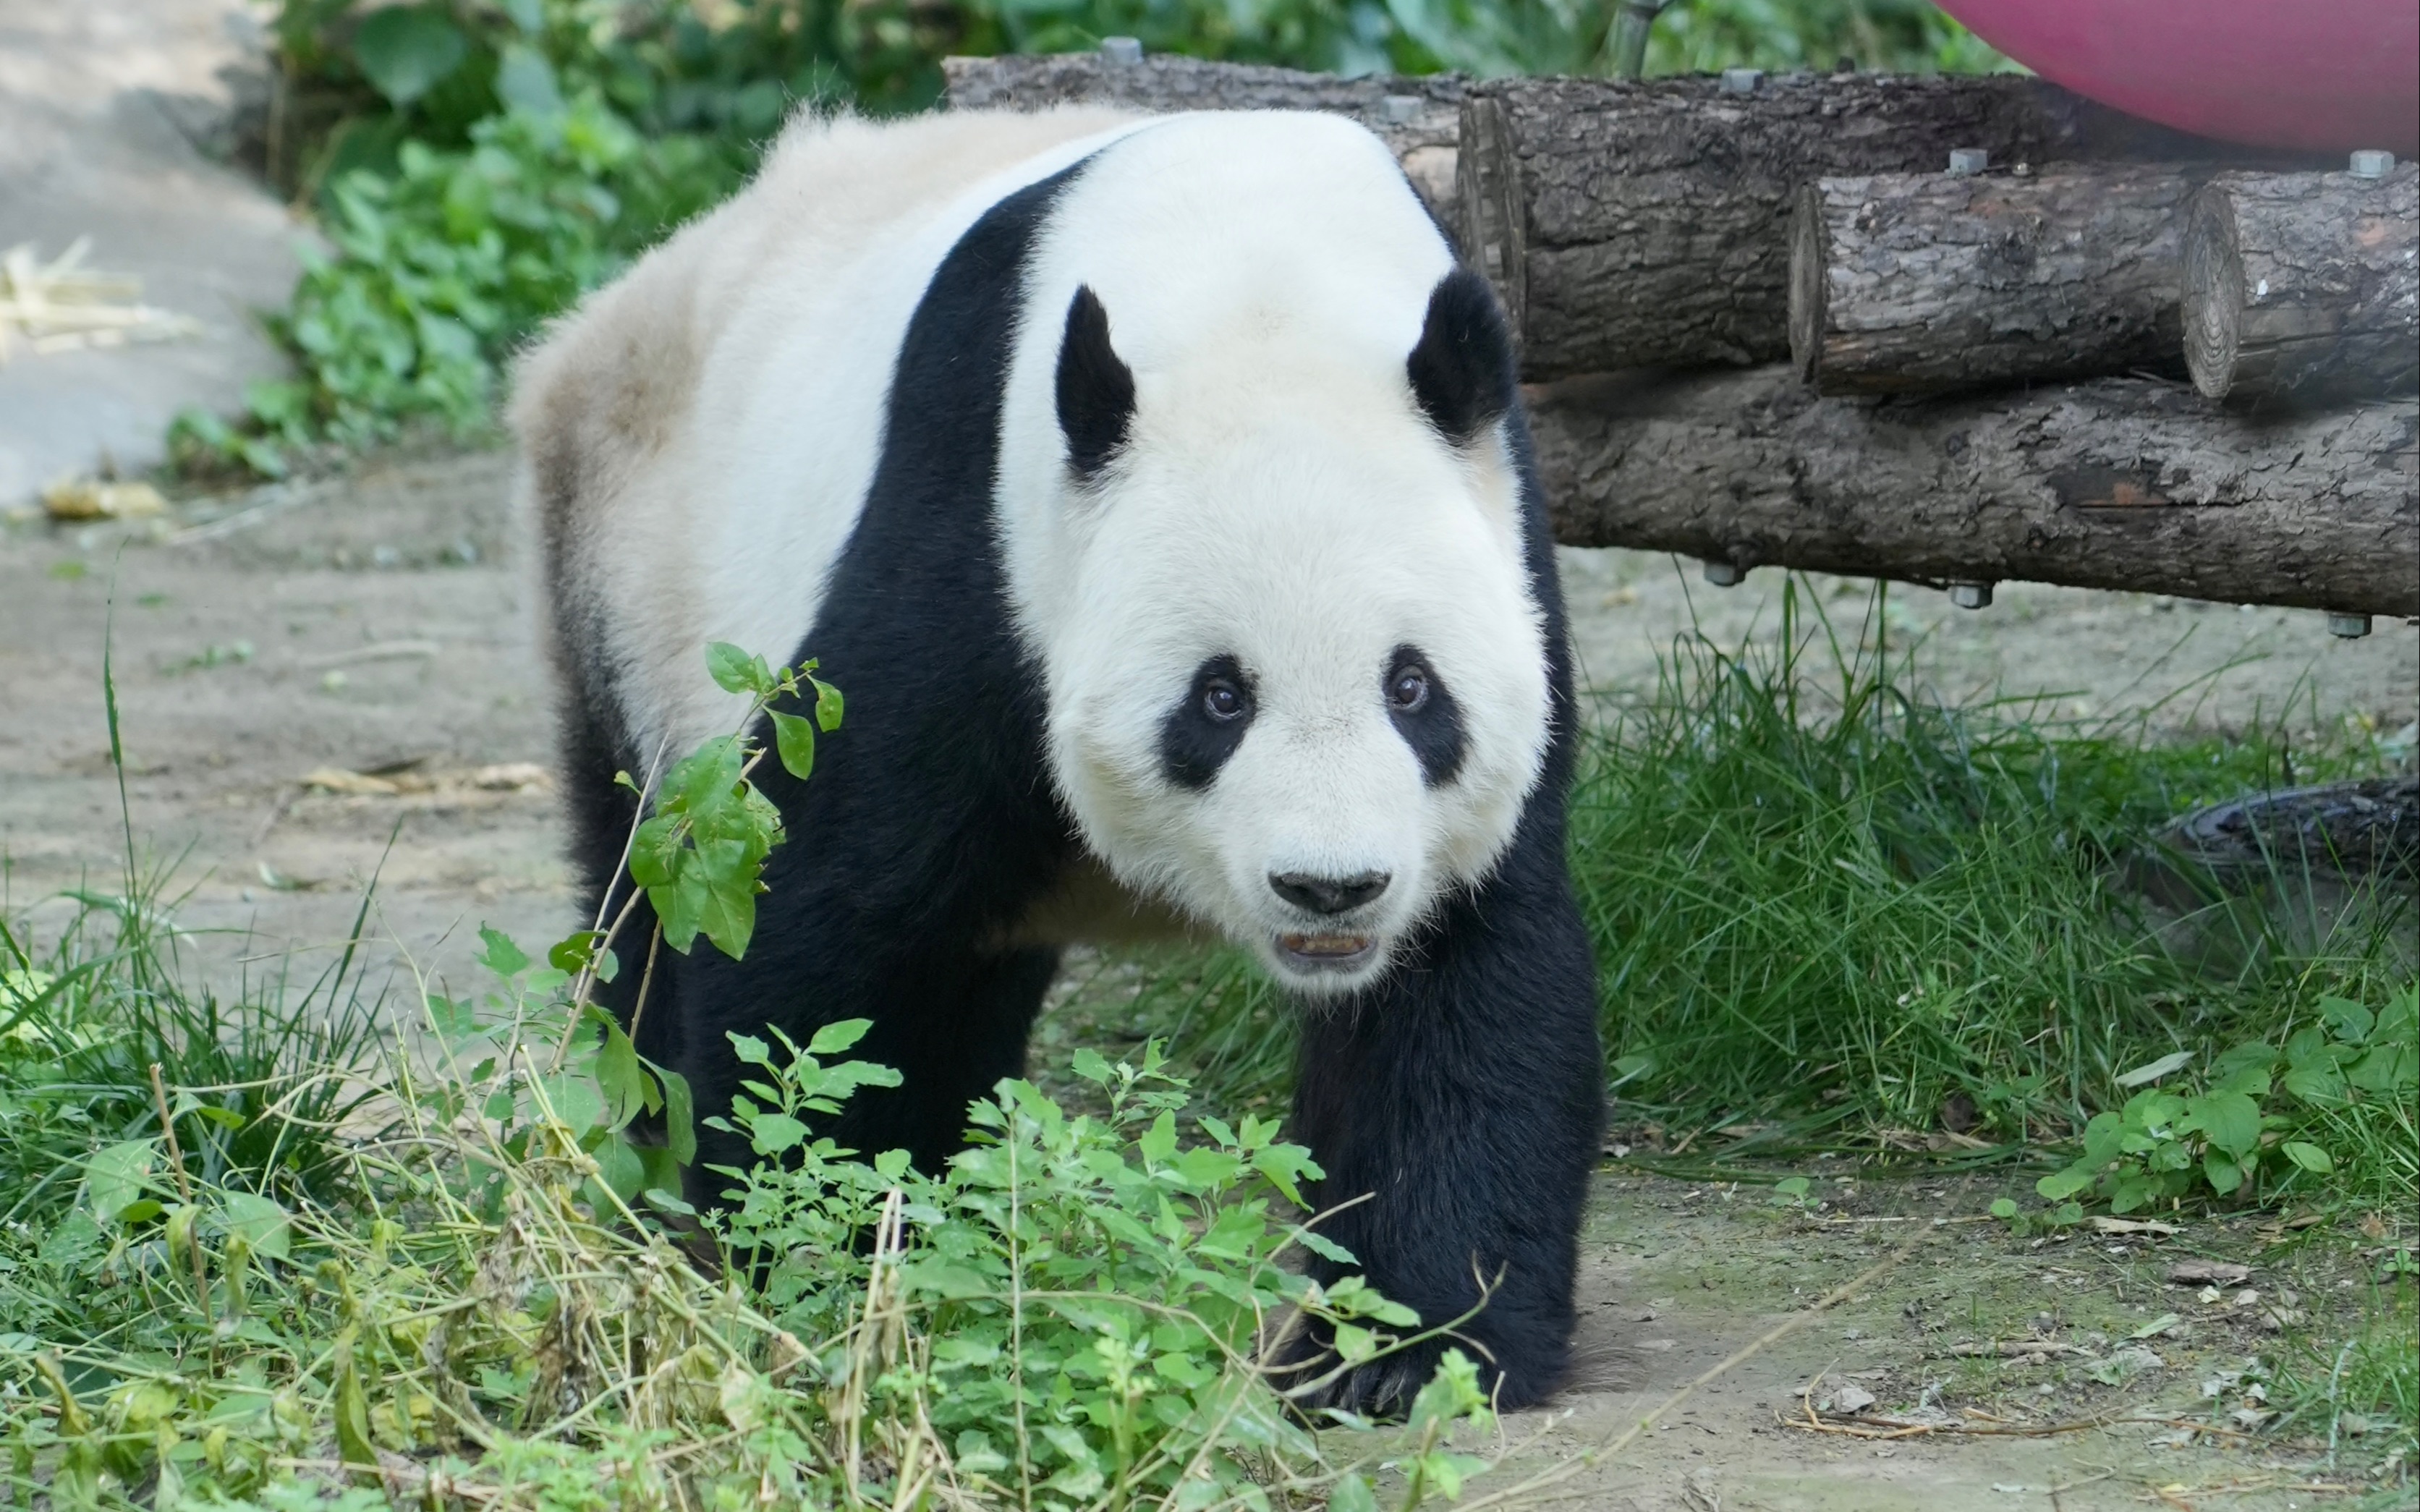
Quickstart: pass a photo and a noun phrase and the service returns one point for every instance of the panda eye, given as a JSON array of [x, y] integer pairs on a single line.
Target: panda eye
[[1407, 688], [1223, 700]]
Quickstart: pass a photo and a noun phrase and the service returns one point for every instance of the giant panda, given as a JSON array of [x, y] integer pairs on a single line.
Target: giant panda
[[1158, 493]]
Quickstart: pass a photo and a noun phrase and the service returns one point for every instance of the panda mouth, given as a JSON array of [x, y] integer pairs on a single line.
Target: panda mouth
[[1327, 953]]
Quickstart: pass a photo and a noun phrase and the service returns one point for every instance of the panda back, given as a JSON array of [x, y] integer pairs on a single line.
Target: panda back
[[699, 436]]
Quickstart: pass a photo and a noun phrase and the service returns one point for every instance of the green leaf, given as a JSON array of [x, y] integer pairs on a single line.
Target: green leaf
[[2222, 1174], [2060, 1185], [2003, 1208], [1354, 1345], [2102, 1136], [2230, 1120], [575, 1100], [1323, 1246], [1158, 1142], [619, 1076], [620, 1167], [2308, 1156], [503, 956], [525, 81], [680, 1114], [1630, 1068], [660, 1174], [944, 1279], [736, 671], [2386, 1068], [2144, 1075], [260, 1222], [754, 1051], [775, 1133], [352, 1408], [404, 50], [838, 1036], [794, 739], [115, 1178], [2317, 1079], [2346, 1020], [828, 705]]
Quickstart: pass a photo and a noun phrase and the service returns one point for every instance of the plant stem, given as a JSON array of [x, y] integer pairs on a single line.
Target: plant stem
[[184, 1188]]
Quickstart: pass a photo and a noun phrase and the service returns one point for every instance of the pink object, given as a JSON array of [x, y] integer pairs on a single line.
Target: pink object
[[2326, 75]]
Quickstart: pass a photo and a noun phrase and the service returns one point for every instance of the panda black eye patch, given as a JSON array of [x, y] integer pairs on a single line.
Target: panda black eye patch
[[1424, 714], [1207, 724]]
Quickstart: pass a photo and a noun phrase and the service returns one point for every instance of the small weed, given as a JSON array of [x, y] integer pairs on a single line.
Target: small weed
[[233, 654], [2252, 1125]]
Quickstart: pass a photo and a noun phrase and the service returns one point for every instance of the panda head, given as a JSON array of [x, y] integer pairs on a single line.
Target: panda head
[[1297, 666]]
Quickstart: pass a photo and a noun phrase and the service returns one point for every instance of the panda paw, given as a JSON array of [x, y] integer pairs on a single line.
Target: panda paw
[[1380, 1389]]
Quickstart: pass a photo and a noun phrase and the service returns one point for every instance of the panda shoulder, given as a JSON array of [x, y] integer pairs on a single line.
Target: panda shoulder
[[613, 382]]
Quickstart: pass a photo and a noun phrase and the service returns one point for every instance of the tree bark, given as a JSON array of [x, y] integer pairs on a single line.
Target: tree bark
[[2127, 484], [2304, 286], [1924, 283], [1421, 131], [1646, 223]]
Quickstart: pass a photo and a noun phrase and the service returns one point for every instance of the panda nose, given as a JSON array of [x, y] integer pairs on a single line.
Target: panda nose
[[1328, 895]]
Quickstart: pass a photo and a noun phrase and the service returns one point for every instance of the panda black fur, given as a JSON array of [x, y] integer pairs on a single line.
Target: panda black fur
[[1158, 492]]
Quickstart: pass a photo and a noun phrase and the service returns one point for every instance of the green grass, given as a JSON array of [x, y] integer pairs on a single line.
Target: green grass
[[85, 1015], [1825, 902]]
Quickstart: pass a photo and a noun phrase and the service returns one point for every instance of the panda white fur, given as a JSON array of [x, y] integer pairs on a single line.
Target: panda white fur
[[1157, 490]]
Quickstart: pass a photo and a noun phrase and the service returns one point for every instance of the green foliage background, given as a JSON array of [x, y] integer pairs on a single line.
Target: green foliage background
[[475, 166]]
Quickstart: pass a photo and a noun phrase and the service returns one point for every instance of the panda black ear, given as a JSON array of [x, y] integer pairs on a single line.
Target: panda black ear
[[1462, 371], [1096, 392]]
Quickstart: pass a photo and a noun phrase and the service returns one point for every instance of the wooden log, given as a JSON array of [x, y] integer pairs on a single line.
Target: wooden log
[[2128, 484], [1924, 283], [1418, 117], [1646, 223], [2304, 286]]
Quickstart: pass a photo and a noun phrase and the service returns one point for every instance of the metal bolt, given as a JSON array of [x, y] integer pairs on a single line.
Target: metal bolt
[[1399, 110], [1121, 52], [1742, 81], [2371, 163], [1971, 595], [1725, 574], [1969, 160], [2351, 627]]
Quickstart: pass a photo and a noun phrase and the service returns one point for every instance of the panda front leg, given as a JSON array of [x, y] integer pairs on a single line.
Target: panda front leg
[[1458, 1108]]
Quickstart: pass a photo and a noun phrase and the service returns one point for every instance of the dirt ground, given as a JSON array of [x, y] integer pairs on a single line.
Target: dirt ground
[[378, 625]]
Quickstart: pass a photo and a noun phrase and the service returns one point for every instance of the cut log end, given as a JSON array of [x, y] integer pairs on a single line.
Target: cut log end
[[2302, 288], [2213, 292]]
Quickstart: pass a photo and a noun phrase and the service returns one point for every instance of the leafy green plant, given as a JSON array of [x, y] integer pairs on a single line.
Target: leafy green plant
[[2250, 1122], [494, 1300], [1074, 1306]]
